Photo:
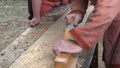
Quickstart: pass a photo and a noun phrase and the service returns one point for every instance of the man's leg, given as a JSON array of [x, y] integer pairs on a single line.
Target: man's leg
[[30, 9], [111, 42], [36, 5]]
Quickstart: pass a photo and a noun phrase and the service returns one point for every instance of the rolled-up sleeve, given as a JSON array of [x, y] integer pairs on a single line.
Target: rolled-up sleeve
[[104, 13]]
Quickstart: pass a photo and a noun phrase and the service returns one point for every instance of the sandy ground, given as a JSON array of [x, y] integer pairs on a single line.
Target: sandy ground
[[13, 21]]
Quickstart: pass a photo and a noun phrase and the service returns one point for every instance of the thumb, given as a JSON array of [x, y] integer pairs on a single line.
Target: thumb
[[78, 18]]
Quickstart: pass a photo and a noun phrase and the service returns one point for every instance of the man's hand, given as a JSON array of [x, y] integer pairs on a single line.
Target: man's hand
[[66, 46], [76, 16]]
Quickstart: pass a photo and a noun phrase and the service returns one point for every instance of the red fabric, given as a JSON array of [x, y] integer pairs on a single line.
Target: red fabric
[[98, 22], [105, 19], [112, 42], [48, 5], [65, 1], [45, 9], [80, 41]]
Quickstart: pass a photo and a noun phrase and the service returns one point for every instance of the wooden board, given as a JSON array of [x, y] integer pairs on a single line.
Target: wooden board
[[40, 54]]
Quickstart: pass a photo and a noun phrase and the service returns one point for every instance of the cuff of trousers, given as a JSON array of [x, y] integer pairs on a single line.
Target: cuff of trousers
[[79, 40]]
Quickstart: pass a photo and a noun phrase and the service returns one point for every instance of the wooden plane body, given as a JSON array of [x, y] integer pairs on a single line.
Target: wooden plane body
[[64, 60]]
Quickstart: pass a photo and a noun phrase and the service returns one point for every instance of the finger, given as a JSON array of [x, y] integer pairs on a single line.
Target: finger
[[56, 51], [56, 46], [67, 23], [77, 20], [69, 50], [70, 47], [68, 19]]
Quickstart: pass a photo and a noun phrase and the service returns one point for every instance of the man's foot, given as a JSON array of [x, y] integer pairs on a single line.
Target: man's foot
[[34, 22]]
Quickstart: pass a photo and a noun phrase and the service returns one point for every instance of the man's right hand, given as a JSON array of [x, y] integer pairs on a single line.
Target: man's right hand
[[76, 16]]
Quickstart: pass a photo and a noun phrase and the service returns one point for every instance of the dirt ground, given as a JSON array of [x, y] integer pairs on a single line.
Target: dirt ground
[[13, 21]]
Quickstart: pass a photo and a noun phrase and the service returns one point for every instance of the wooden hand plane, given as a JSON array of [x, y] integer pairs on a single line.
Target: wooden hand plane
[[64, 60]]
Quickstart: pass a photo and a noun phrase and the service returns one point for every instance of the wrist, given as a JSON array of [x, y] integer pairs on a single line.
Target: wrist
[[77, 11]]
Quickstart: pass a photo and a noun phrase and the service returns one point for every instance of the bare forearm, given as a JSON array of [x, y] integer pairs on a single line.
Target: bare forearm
[[36, 5]]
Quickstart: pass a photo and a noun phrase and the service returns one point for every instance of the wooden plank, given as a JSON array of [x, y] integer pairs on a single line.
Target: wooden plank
[[21, 44], [88, 58], [29, 36], [24, 41], [40, 54]]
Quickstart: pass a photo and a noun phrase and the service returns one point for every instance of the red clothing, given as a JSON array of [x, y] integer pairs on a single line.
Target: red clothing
[[48, 5], [105, 21]]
